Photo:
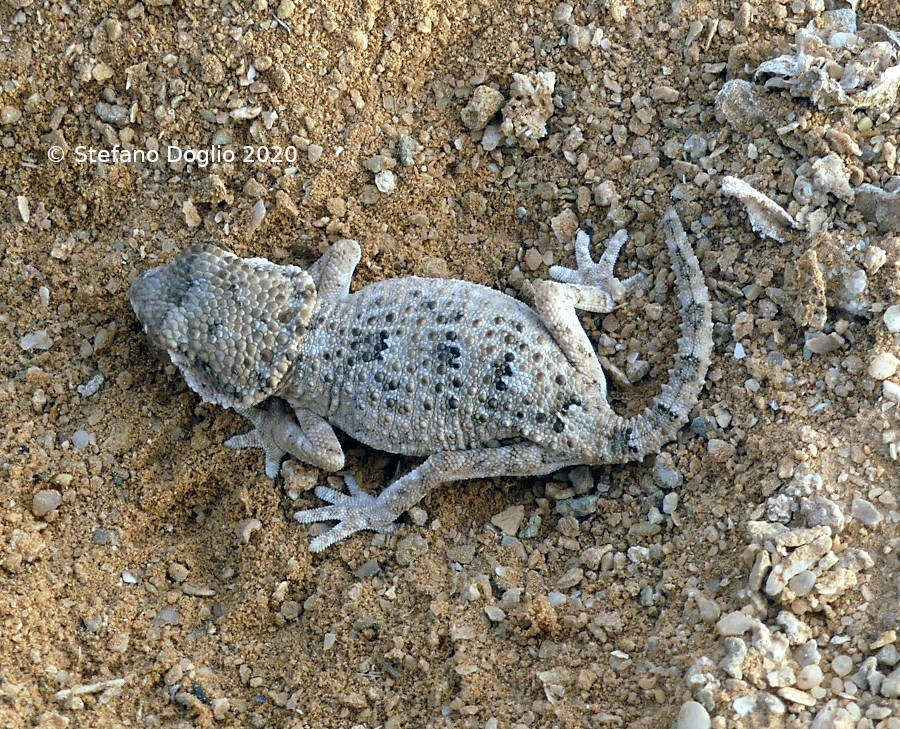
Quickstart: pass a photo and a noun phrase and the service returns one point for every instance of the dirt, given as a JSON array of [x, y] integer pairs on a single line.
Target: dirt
[[148, 573]]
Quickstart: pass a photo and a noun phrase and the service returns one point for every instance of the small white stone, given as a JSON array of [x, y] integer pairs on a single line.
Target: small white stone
[[509, 520], [692, 715], [36, 340], [892, 318], [735, 623], [670, 502], [890, 687], [809, 677], [24, 208], [314, 152], [865, 512], [45, 501], [386, 181], [891, 391], [796, 696], [841, 665], [883, 365]]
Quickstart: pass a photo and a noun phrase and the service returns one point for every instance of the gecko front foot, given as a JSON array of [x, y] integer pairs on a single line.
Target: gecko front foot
[[354, 512], [277, 433]]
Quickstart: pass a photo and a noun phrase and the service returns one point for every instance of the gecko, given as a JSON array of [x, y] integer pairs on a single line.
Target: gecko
[[474, 381]]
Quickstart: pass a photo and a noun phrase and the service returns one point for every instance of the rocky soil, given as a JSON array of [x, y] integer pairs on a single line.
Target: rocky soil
[[745, 577]]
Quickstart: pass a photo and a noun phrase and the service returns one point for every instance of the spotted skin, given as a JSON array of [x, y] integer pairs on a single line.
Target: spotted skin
[[473, 380]]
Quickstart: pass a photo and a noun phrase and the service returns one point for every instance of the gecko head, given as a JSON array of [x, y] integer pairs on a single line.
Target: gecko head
[[232, 325]]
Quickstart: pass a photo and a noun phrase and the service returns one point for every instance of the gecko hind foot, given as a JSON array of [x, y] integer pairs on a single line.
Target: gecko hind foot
[[355, 511], [600, 273]]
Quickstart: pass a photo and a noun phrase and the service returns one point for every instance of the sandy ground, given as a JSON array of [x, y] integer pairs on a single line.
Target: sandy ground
[[149, 577]]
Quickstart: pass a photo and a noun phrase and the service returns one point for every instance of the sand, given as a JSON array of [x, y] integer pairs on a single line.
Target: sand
[[150, 577]]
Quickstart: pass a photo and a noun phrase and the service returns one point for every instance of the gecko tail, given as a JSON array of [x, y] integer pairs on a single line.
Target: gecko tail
[[630, 439]]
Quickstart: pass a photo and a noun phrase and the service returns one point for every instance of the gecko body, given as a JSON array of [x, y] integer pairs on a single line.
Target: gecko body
[[475, 381]]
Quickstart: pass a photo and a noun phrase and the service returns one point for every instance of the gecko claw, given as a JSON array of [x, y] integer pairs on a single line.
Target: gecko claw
[[355, 511]]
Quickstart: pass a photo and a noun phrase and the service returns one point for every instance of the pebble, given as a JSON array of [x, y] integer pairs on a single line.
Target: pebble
[[220, 708], [386, 181], [888, 655], [9, 115], [579, 38], [257, 213], [571, 578], [891, 391], [462, 553], [841, 665], [81, 439], [892, 318], [283, 203], [760, 568], [285, 9], [485, 102], [533, 258], [246, 527], [735, 623], [564, 226], [666, 474], [358, 39], [509, 520], [692, 715], [102, 72], [883, 365], [670, 502], [818, 510], [865, 512], [314, 152], [178, 572], [733, 660], [562, 14], [664, 93], [578, 507], [191, 215], [890, 687], [824, 343], [367, 569], [796, 631], [809, 677], [167, 616], [782, 676], [24, 208], [709, 609], [720, 450], [418, 516], [45, 501], [113, 114], [36, 340], [491, 138], [407, 149], [91, 386], [796, 696], [582, 480]]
